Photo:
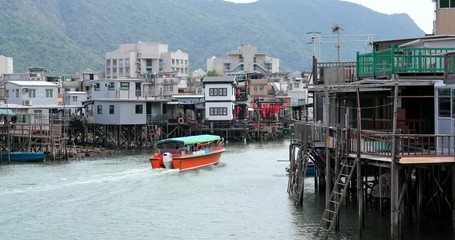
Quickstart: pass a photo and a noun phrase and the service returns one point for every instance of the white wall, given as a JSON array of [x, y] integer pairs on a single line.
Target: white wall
[[228, 105], [124, 113], [230, 92], [40, 94]]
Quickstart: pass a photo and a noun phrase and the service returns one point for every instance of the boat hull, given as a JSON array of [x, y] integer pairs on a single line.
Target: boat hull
[[24, 156], [189, 161], [311, 170]]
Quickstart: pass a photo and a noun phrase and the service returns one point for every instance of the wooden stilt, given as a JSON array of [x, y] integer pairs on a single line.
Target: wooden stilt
[[395, 230], [453, 196], [359, 167]]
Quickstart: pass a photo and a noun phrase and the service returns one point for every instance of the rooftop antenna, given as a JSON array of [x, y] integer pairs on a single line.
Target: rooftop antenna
[[336, 29]]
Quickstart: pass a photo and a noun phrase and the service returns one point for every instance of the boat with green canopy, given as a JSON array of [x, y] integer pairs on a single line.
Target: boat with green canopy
[[184, 153]]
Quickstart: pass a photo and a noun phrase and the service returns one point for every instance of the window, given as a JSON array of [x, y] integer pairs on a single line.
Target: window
[[447, 3], [444, 102], [99, 109], [74, 98], [111, 109], [139, 109], [110, 86], [96, 86], [218, 111], [32, 93], [124, 86], [17, 92], [38, 113], [148, 65], [222, 91], [213, 91], [49, 93], [223, 111]]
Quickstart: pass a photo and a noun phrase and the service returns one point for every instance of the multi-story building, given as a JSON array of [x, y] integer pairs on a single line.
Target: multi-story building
[[175, 62], [126, 101], [29, 93], [245, 60], [444, 17], [138, 59], [161, 85], [219, 98], [259, 88]]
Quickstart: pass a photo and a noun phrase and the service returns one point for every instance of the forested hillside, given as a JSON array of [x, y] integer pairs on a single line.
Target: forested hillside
[[68, 36]]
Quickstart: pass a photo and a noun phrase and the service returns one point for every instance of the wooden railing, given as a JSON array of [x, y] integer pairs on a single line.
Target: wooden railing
[[378, 143]]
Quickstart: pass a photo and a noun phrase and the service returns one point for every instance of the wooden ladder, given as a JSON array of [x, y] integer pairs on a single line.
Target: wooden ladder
[[300, 186], [339, 192]]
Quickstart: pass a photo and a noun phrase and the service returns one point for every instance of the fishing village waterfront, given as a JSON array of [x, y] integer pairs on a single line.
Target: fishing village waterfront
[[358, 148], [122, 197]]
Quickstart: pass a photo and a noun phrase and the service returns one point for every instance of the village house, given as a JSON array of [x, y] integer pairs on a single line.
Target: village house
[[219, 98], [73, 102], [121, 101], [32, 97], [300, 103]]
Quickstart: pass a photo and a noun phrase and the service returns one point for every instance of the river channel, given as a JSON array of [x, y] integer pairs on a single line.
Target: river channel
[[121, 197]]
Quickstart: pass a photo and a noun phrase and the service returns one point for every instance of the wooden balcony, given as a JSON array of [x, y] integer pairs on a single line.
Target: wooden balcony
[[377, 145], [415, 62]]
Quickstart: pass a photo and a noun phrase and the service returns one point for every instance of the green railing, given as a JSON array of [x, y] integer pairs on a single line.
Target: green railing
[[402, 60]]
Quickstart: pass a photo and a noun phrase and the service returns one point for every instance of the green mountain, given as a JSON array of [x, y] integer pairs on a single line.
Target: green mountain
[[68, 36]]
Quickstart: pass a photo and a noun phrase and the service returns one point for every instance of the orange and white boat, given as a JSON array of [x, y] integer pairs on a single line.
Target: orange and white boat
[[186, 153]]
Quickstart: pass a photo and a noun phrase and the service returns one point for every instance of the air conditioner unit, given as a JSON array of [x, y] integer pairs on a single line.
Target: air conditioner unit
[[27, 103], [25, 89]]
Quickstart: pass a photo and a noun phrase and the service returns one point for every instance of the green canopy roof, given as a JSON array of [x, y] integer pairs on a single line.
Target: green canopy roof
[[191, 139]]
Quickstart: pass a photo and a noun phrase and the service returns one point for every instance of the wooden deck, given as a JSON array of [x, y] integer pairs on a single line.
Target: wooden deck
[[409, 159]]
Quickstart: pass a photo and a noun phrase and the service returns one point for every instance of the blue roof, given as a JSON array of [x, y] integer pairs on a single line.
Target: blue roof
[[191, 139]]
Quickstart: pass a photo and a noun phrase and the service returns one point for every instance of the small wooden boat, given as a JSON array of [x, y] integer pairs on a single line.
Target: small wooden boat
[[23, 156], [310, 171], [186, 153]]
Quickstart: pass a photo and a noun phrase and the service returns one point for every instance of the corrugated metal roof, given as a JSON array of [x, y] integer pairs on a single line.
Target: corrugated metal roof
[[222, 79], [33, 83]]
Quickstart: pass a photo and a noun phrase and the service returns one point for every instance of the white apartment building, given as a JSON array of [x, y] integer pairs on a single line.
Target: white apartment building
[[6, 65], [245, 60], [135, 60], [176, 62]]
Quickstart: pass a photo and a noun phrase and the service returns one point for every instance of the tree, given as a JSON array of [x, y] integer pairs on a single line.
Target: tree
[[212, 73]]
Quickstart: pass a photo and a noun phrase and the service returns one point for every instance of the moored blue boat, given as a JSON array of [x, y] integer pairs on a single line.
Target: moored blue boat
[[311, 169], [23, 156]]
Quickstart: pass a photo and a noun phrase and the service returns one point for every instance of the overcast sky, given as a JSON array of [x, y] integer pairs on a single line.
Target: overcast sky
[[421, 11]]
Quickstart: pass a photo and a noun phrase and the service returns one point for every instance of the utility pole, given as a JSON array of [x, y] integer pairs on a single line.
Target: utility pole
[[336, 29]]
